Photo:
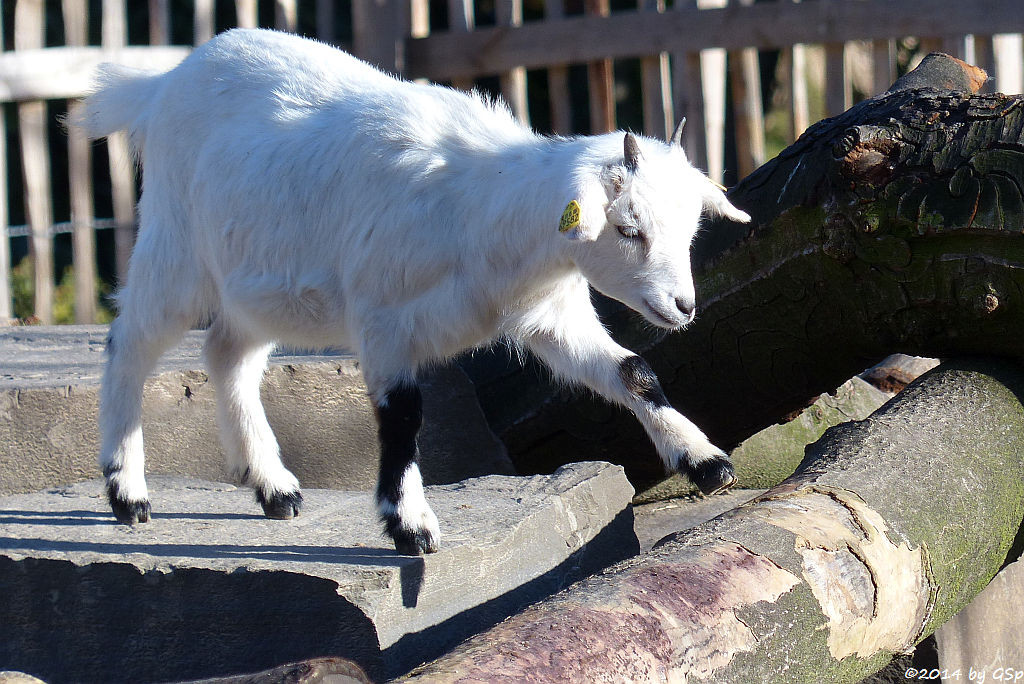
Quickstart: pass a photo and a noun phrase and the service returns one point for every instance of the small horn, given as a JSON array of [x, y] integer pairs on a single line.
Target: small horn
[[677, 137], [631, 152]]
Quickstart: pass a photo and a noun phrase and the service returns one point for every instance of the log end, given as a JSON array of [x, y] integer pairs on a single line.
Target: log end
[[942, 72]]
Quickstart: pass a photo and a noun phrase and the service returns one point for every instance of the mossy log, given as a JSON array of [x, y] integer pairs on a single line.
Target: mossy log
[[894, 227], [889, 527]]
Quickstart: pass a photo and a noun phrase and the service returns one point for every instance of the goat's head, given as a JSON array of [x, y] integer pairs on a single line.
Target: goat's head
[[634, 221]]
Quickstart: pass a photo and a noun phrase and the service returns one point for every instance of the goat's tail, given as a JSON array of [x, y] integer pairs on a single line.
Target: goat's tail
[[121, 100]]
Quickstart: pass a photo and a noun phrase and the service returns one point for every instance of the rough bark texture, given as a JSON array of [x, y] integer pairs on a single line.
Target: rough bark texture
[[895, 227], [890, 526]]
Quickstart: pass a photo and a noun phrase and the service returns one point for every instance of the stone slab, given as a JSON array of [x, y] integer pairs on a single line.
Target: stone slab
[[658, 519], [317, 405], [987, 637], [211, 588]]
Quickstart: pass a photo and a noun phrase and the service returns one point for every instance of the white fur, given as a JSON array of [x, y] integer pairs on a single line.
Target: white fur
[[297, 196]]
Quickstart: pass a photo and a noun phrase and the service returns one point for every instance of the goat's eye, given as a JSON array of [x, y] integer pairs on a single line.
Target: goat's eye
[[631, 232]]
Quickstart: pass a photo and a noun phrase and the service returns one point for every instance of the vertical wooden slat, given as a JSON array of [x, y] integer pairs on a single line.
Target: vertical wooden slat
[[461, 19], [558, 80], [1009, 59], [655, 85], [245, 14], [122, 169], [884, 65], [955, 46], [325, 21], [745, 73], [801, 105], [712, 84], [6, 306], [286, 15], [159, 22], [688, 98], [202, 18], [601, 79], [419, 18], [83, 239], [378, 33], [35, 156], [513, 82], [799, 100], [984, 57], [688, 102], [836, 79]]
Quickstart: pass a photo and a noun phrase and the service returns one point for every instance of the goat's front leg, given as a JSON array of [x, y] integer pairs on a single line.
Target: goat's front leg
[[587, 355], [401, 502]]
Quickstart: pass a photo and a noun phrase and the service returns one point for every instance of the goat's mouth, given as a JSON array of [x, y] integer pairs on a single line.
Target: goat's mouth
[[660, 319]]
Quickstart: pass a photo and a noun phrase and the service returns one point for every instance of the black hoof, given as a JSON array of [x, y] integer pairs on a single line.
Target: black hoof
[[409, 542], [712, 476], [280, 506], [127, 512]]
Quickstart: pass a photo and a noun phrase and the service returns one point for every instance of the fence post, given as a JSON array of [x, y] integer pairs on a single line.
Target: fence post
[[35, 159], [745, 71], [601, 79], [513, 82], [286, 15], [378, 33], [83, 237], [6, 308], [558, 79], [1009, 59], [245, 13], [655, 86], [688, 98], [325, 21], [159, 22], [461, 19], [122, 167]]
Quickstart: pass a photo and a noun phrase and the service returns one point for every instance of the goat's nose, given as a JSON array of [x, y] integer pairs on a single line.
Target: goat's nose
[[687, 306]]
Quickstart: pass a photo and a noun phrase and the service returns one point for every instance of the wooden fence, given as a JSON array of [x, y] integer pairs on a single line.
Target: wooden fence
[[827, 52]]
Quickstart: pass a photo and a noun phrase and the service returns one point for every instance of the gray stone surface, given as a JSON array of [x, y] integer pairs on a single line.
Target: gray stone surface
[[317, 405], [656, 520], [987, 636], [210, 588]]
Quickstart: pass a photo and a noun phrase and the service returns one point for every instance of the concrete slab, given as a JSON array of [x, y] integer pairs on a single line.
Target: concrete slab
[[317, 405], [211, 588]]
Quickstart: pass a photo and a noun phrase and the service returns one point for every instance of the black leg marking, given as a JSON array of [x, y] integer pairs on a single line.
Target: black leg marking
[[714, 475], [400, 416], [641, 381], [280, 506], [127, 512]]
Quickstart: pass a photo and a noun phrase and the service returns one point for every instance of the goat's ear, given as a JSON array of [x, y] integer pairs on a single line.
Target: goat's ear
[[583, 218], [716, 202]]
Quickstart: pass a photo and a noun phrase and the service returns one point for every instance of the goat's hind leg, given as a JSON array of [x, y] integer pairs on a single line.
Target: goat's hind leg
[[236, 364], [133, 348], [401, 503]]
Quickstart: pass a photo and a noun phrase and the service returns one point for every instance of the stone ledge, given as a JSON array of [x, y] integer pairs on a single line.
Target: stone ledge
[[211, 588], [317, 405]]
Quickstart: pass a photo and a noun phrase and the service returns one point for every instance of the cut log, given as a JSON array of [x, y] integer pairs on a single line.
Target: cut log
[[889, 527], [895, 227]]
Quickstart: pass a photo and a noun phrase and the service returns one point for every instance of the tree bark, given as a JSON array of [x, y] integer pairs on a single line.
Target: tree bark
[[888, 528], [895, 227]]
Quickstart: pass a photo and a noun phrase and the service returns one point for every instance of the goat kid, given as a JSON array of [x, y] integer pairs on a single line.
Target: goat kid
[[295, 195]]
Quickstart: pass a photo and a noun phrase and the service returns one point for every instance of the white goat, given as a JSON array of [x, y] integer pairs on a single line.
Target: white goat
[[295, 195]]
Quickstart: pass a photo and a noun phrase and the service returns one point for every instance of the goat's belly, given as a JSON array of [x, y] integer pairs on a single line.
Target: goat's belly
[[307, 311]]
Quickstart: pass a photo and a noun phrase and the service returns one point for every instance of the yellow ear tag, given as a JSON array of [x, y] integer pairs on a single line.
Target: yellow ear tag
[[570, 217], [718, 185]]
